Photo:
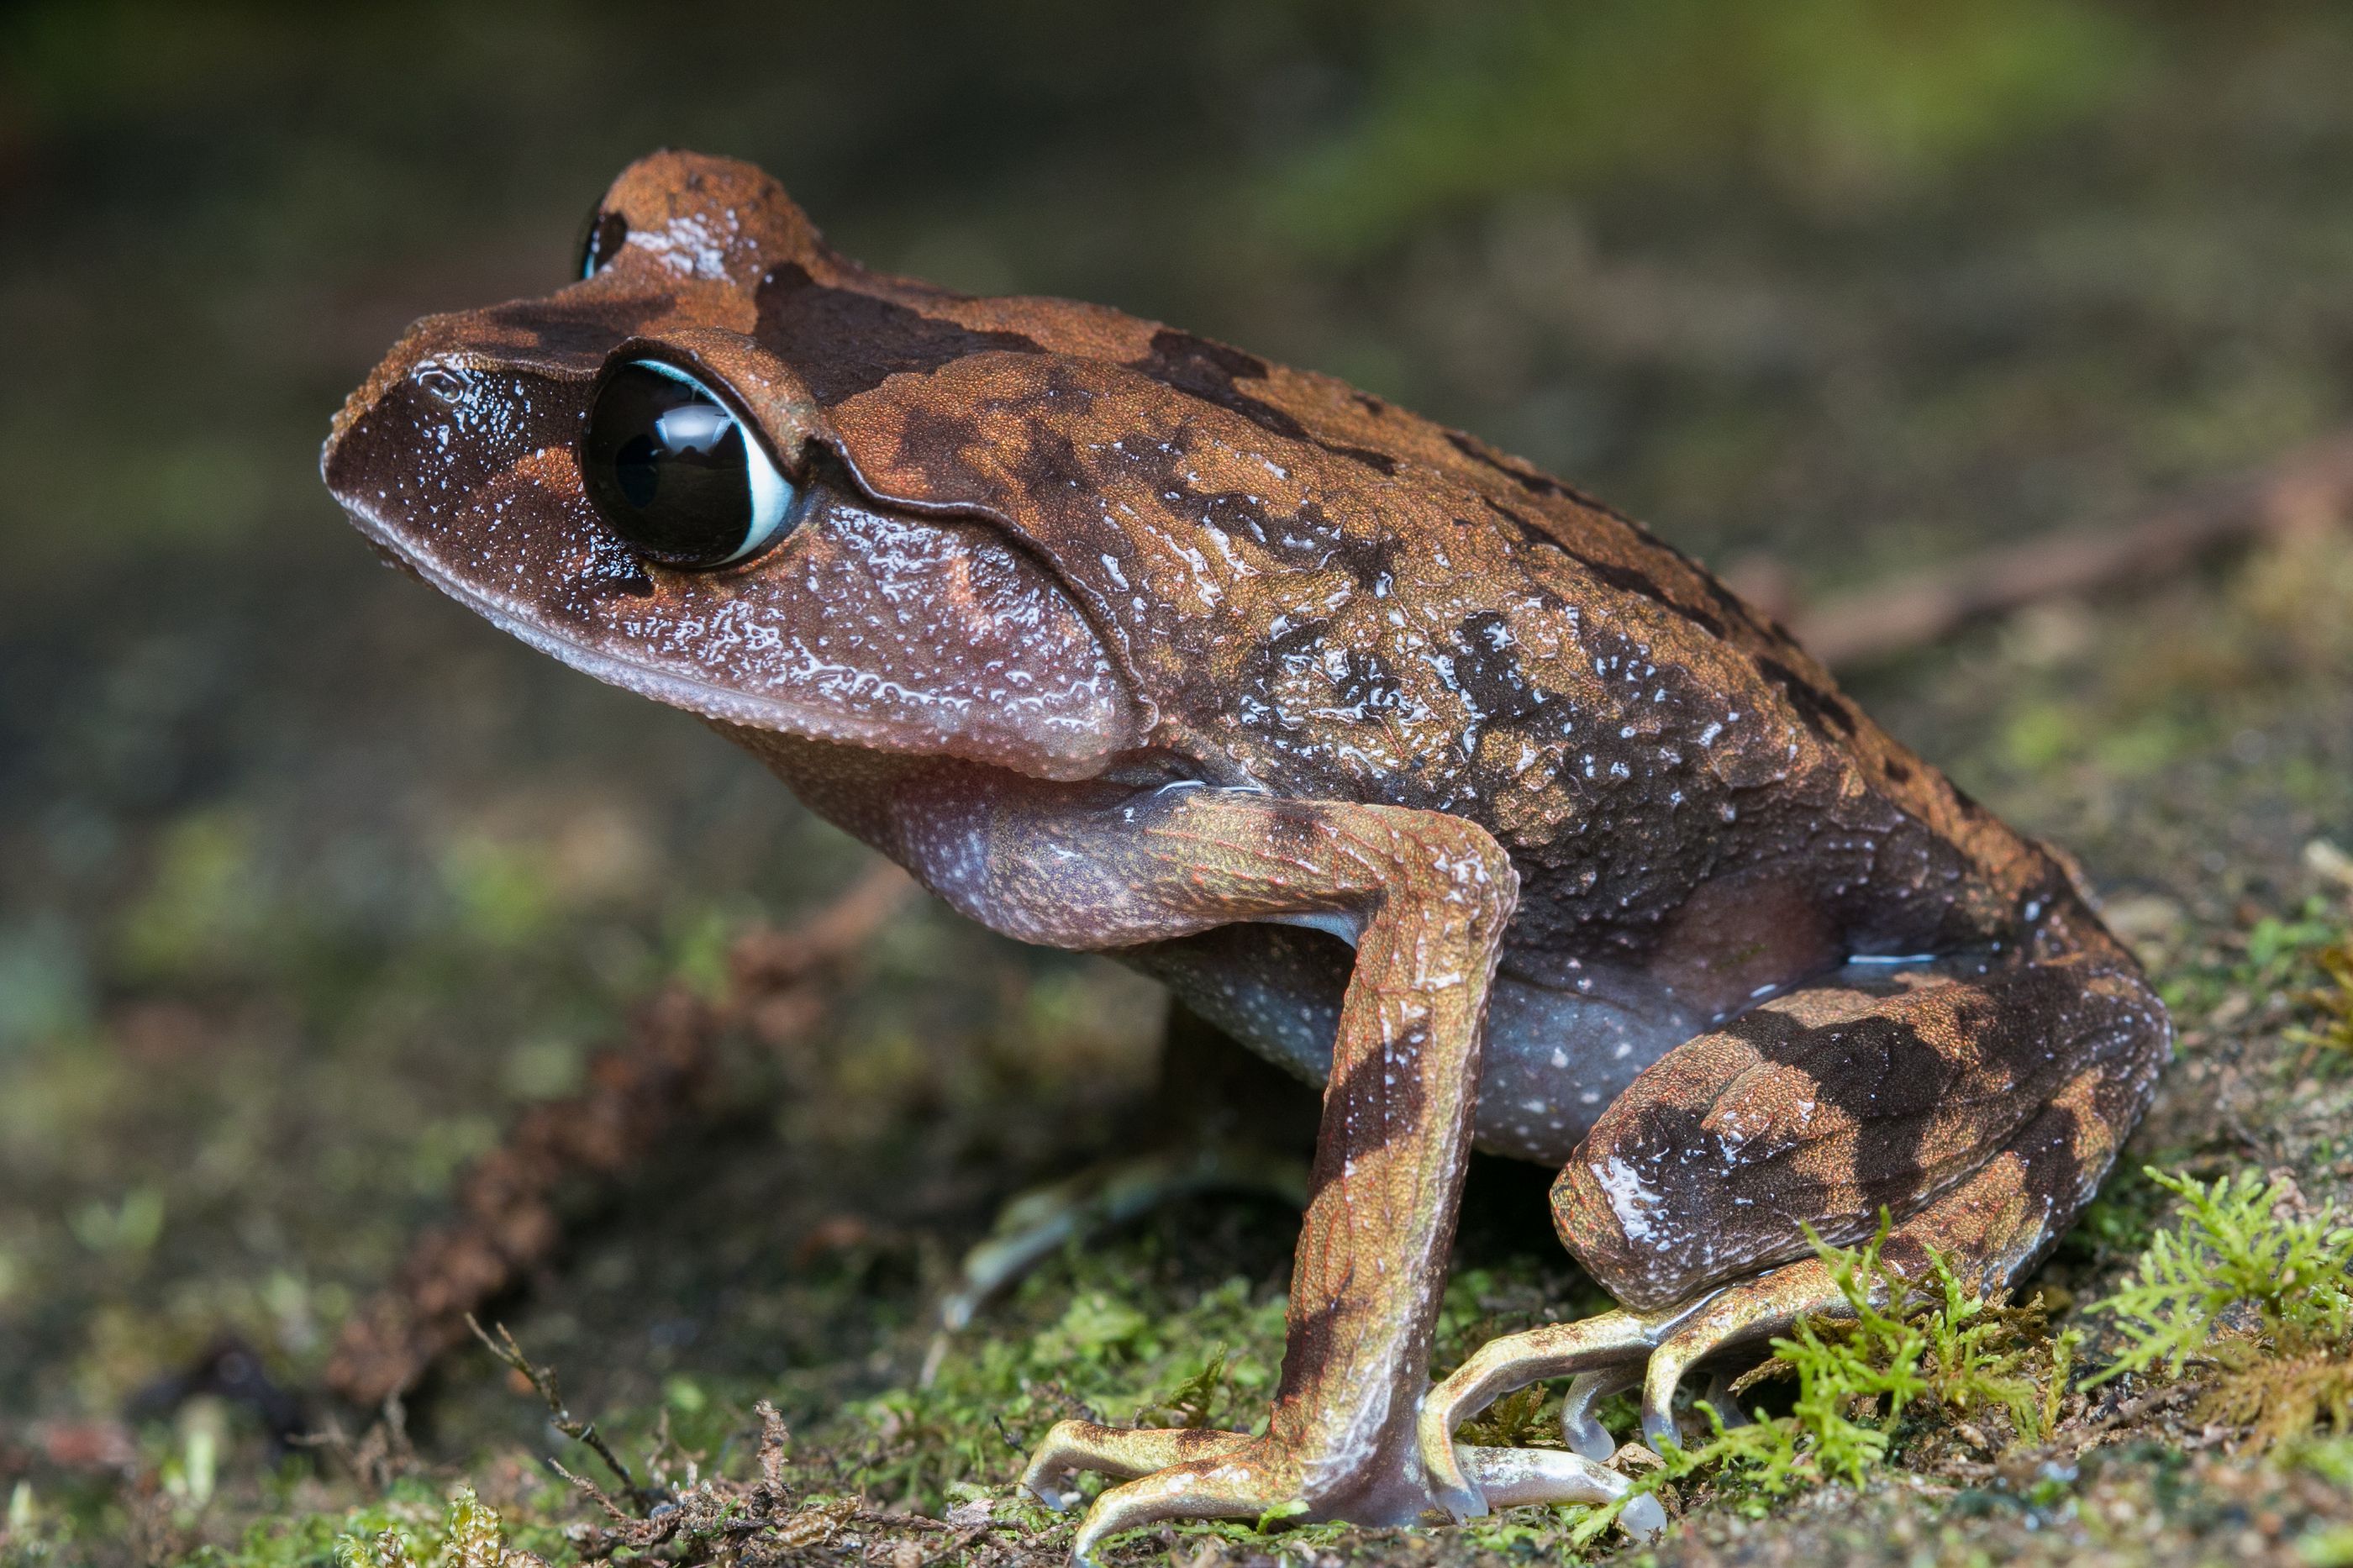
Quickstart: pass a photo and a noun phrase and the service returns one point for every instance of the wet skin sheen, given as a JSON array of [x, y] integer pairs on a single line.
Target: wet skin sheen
[[1426, 776]]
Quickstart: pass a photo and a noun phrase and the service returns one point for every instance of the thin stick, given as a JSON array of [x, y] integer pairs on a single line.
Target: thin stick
[[543, 1378], [2307, 489]]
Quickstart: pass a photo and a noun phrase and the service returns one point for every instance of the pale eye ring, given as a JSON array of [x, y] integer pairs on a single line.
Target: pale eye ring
[[672, 470]]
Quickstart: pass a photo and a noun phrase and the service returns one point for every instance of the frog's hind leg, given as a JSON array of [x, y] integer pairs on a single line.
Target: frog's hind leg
[[1979, 1104], [1218, 1121], [1877, 1088], [1992, 1227]]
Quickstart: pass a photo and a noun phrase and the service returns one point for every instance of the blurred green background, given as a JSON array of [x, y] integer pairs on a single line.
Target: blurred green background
[[308, 880]]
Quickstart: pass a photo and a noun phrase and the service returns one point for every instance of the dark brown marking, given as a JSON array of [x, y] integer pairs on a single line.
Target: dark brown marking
[[2047, 1150], [558, 328], [1489, 672], [843, 341], [1377, 1101], [1311, 1343], [1380, 463], [1208, 370], [1293, 826], [1822, 710], [1626, 579], [1527, 479], [1366, 684]]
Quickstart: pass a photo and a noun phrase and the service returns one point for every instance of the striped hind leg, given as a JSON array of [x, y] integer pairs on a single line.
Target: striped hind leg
[[1992, 1228], [1980, 1107]]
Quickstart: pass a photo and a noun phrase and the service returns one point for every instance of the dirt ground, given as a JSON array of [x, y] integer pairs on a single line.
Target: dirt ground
[[311, 885]]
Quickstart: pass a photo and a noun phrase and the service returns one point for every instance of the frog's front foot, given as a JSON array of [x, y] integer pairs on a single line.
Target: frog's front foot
[[1173, 1474]]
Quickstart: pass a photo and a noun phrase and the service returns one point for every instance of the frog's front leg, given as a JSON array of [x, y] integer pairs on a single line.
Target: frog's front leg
[[1425, 897]]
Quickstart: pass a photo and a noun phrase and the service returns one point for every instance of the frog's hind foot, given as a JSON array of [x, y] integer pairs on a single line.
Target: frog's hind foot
[[1977, 1227], [1213, 1123], [1039, 1223]]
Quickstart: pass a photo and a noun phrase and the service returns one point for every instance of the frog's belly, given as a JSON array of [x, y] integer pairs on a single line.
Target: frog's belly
[[1554, 1057]]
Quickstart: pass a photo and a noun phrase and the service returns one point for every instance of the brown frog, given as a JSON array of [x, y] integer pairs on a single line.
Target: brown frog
[[1418, 769]]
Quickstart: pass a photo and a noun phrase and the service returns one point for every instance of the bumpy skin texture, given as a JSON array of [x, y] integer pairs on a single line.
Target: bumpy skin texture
[[1122, 638]]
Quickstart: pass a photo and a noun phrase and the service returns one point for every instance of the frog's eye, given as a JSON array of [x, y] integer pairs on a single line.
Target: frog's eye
[[602, 235], [674, 472]]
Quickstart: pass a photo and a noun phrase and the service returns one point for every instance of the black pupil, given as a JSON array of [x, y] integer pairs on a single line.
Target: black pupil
[[666, 466]]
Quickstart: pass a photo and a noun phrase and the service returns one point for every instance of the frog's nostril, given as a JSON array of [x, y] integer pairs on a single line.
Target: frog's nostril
[[441, 383]]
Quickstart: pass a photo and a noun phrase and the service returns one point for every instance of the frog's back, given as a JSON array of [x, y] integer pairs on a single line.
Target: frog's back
[[1318, 591]]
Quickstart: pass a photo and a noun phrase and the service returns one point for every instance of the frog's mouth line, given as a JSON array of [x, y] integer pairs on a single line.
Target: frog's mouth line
[[700, 698]]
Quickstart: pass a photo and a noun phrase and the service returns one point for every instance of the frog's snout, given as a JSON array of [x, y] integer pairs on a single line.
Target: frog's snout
[[433, 336]]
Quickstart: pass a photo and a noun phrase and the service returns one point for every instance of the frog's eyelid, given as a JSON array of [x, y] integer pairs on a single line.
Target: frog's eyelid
[[663, 367]]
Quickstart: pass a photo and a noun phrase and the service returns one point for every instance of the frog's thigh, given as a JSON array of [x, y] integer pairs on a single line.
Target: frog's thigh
[[1990, 1229], [1868, 1092]]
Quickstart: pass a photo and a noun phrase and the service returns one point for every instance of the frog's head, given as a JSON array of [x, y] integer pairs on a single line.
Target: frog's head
[[628, 475]]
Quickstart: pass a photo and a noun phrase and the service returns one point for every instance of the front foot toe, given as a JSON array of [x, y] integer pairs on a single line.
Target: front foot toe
[[1248, 1481], [1073, 1447], [1180, 1475], [1177, 1474]]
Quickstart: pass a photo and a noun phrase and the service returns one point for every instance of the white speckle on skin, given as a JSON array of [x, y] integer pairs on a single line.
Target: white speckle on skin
[[1632, 1201]]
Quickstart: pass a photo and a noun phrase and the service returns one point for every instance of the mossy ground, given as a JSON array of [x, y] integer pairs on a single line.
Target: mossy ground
[[308, 882]]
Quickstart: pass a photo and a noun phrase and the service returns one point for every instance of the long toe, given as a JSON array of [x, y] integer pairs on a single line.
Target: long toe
[[1510, 1476], [1240, 1485], [1578, 1426], [1602, 1345], [1077, 1446]]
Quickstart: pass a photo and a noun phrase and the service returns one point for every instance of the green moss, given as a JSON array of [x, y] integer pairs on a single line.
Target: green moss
[[2234, 1248], [466, 1534], [1202, 1363], [2258, 1297], [1955, 1351]]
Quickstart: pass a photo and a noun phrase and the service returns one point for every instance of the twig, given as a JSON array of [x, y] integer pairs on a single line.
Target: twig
[[592, 1491], [773, 1438], [507, 1221], [2309, 489], [585, 1433]]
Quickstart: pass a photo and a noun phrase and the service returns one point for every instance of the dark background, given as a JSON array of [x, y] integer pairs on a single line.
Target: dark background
[[308, 880]]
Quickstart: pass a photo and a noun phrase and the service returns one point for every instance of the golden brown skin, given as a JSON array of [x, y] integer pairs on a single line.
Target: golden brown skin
[[1125, 640]]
